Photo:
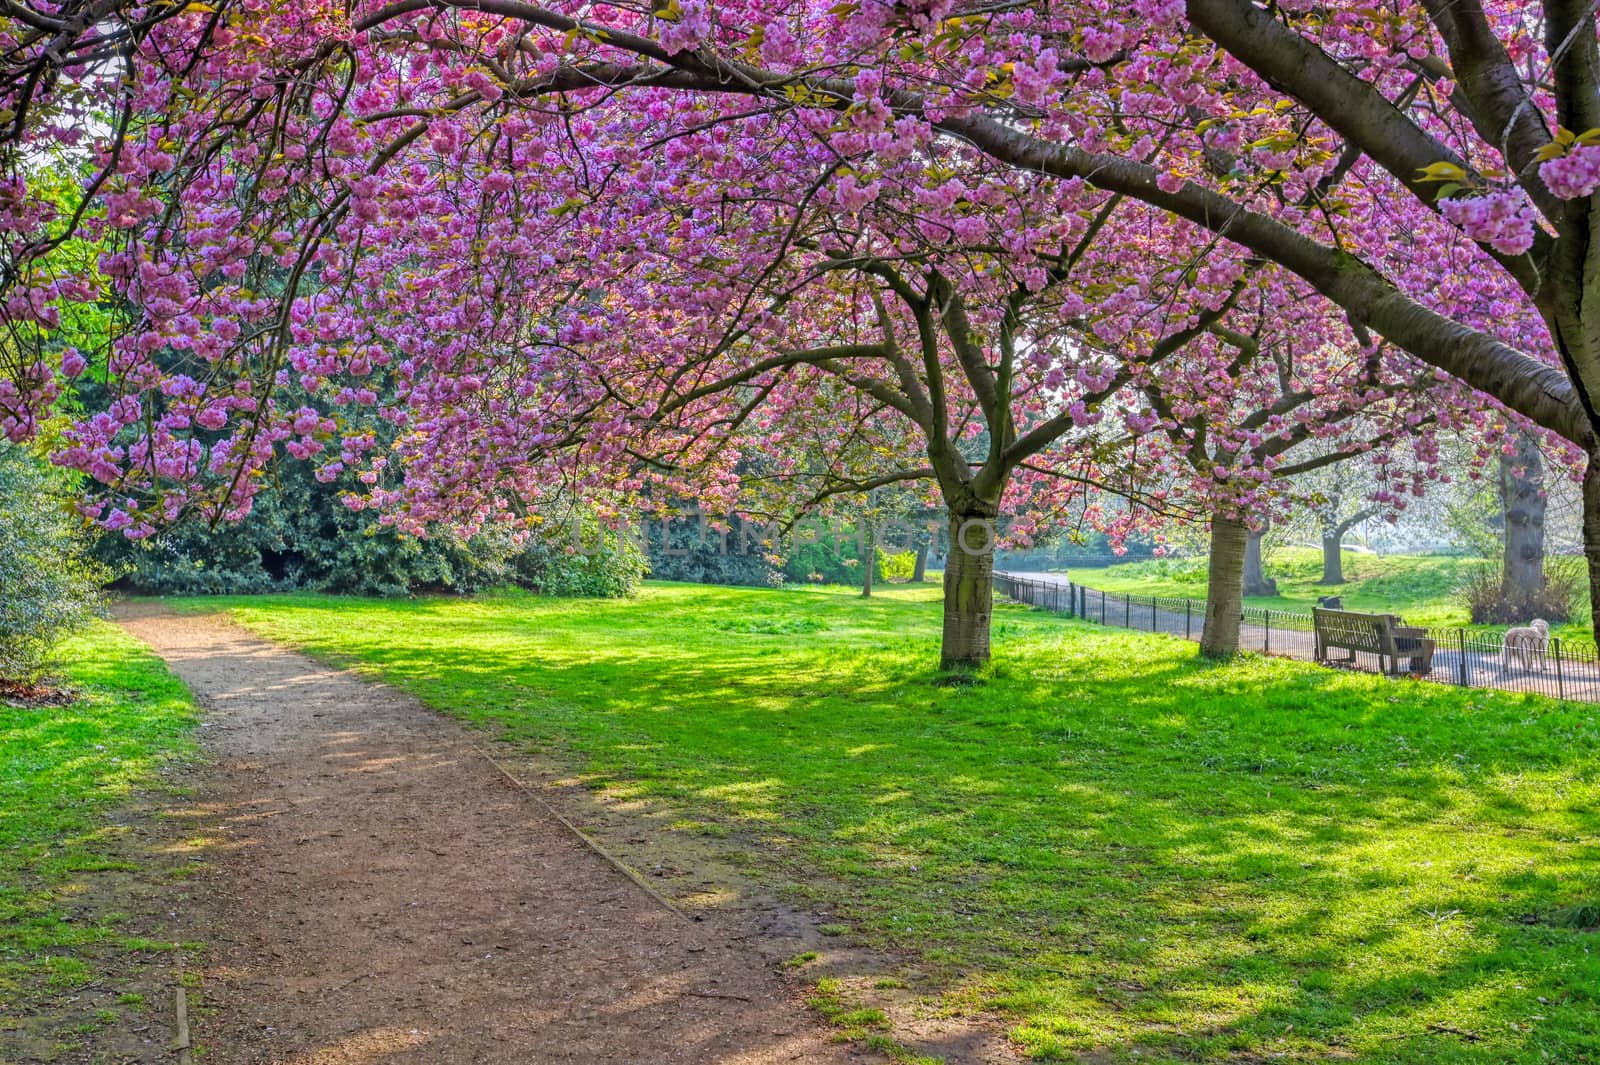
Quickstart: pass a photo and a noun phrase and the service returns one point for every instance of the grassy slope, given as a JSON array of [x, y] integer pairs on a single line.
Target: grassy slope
[[64, 774], [1120, 847], [1421, 588]]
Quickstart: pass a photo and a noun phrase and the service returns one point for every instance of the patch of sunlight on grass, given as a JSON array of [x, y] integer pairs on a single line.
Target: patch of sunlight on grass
[[1421, 588], [1116, 846], [62, 771]]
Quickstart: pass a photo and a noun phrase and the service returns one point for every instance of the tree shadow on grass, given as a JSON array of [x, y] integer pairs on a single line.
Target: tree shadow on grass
[[1121, 846]]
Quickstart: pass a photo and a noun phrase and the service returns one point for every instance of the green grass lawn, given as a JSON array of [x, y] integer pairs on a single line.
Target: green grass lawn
[[1420, 588], [1122, 850], [68, 776]]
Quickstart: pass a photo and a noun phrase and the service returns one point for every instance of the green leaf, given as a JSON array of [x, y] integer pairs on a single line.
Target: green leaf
[[1441, 171], [1553, 150]]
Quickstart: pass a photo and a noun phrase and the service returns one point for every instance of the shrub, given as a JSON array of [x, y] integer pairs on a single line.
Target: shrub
[[603, 566], [897, 567], [699, 554], [702, 555], [300, 536], [1558, 599], [833, 558], [48, 586]]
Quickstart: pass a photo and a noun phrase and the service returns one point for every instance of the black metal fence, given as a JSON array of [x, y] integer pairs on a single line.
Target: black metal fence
[[1562, 669]]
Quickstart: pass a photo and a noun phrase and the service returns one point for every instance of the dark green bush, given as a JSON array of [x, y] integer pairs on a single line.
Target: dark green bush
[[596, 564], [685, 549], [300, 536]]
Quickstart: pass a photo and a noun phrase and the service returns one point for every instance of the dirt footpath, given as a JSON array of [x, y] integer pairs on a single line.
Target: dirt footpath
[[383, 894]]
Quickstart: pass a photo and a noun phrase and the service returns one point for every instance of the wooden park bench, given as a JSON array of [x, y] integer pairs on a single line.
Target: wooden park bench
[[1375, 634]]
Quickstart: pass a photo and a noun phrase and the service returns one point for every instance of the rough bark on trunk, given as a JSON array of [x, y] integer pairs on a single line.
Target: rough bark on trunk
[[1224, 589], [1256, 581], [1591, 535], [919, 572], [1523, 499], [968, 590], [1333, 555]]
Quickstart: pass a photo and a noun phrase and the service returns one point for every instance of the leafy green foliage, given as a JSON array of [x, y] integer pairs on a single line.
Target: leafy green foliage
[[301, 536], [1474, 517], [897, 567], [1115, 845], [1078, 547], [687, 550], [594, 564], [48, 588], [834, 557]]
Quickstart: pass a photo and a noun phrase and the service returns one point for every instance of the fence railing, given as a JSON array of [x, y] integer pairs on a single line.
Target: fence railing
[[1562, 669]]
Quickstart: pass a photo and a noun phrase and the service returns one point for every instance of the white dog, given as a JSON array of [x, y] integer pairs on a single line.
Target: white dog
[[1526, 645]]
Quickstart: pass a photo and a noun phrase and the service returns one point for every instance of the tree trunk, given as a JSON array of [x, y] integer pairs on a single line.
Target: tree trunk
[[919, 572], [1332, 555], [1591, 535], [869, 559], [968, 589], [1256, 581], [1224, 589], [1522, 569]]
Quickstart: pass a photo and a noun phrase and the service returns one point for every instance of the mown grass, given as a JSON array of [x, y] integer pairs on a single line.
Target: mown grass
[[65, 775], [1420, 588], [1123, 850]]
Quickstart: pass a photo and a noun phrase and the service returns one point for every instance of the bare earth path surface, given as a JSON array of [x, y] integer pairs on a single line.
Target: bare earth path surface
[[384, 894]]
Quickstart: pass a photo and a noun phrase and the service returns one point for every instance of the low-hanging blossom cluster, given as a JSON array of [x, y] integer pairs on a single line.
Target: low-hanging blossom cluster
[[466, 256]]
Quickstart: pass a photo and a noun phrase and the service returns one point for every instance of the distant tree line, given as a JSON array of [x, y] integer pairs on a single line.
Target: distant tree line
[[744, 552]]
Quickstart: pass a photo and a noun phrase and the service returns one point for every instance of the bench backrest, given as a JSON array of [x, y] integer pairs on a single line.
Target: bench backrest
[[1354, 631]]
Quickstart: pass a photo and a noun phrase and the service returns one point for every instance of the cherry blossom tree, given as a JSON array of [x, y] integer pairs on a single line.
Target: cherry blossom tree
[[859, 354], [1274, 392], [400, 204], [621, 321]]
